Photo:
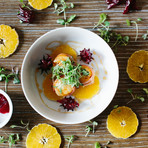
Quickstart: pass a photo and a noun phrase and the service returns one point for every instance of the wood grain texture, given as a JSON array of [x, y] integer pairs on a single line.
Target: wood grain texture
[[88, 14]]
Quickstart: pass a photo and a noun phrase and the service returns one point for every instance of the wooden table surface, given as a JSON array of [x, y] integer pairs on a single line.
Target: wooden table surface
[[88, 14]]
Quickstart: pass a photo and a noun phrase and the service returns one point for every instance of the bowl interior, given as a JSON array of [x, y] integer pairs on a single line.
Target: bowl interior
[[4, 118], [79, 39]]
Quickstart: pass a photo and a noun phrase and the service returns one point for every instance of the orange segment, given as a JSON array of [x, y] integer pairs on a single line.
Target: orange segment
[[137, 67], [9, 41], [122, 122], [40, 4], [43, 136]]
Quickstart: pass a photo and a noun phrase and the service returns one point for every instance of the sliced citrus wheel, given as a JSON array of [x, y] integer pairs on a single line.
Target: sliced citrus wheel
[[122, 122], [9, 41], [137, 67], [43, 136], [40, 4]]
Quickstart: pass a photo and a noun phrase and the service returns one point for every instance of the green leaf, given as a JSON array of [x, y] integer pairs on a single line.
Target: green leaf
[[128, 22], [144, 36], [146, 90], [103, 18], [97, 145], [2, 139], [140, 98], [129, 90], [126, 39], [72, 5], [21, 1], [116, 106], [61, 21], [71, 18], [85, 72], [107, 23], [16, 80], [139, 19], [55, 6]]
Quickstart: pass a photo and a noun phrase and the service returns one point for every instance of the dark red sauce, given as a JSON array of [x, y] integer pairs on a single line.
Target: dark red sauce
[[4, 105]]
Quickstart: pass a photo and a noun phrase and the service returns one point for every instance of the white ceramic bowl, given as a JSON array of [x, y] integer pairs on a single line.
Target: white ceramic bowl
[[79, 39], [4, 118]]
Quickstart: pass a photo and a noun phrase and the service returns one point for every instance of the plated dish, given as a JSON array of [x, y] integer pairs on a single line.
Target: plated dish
[[92, 91]]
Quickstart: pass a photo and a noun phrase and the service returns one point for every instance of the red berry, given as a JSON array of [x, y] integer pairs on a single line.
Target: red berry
[[86, 55], [68, 103]]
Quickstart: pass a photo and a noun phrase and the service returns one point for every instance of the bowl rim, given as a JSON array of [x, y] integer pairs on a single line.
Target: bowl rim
[[10, 108], [56, 120]]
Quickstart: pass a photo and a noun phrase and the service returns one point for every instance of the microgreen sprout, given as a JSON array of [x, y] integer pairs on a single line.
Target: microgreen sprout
[[94, 124], [134, 97], [5, 75], [70, 140], [62, 9], [136, 24], [25, 126], [12, 139], [108, 35], [116, 106], [24, 5], [97, 145], [146, 91], [145, 36], [88, 129]]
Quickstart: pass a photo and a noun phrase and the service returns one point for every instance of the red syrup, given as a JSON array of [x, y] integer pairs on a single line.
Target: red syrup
[[4, 105]]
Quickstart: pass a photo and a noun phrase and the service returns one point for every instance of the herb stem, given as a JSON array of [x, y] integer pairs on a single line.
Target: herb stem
[[134, 22]]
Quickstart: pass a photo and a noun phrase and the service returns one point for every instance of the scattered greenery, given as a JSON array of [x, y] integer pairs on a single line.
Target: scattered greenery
[[135, 97], [6, 75], [146, 91], [70, 140], [62, 9], [24, 5], [136, 23], [72, 73], [116, 106], [12, 139], [108, 35], [25, 126], [97, 145]]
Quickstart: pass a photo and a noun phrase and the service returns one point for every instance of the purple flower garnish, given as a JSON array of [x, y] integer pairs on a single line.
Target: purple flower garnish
[[25, 14]]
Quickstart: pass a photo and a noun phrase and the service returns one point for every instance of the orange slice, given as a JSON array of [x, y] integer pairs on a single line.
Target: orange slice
[[43, 136], [9, 41], [137, 67], [122, 122], [40, 4]]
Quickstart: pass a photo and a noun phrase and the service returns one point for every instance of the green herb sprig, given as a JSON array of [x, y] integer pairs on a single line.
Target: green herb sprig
[[25, 126], [97, 145], [12, 139], [146, 91], [88, 129], [72, 73], [62, 9], [116, 106], [135, 97], [24, 5], [70, 140], [108, 35], [5, 75], [136, 24], [91, 128], [145, 36]]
